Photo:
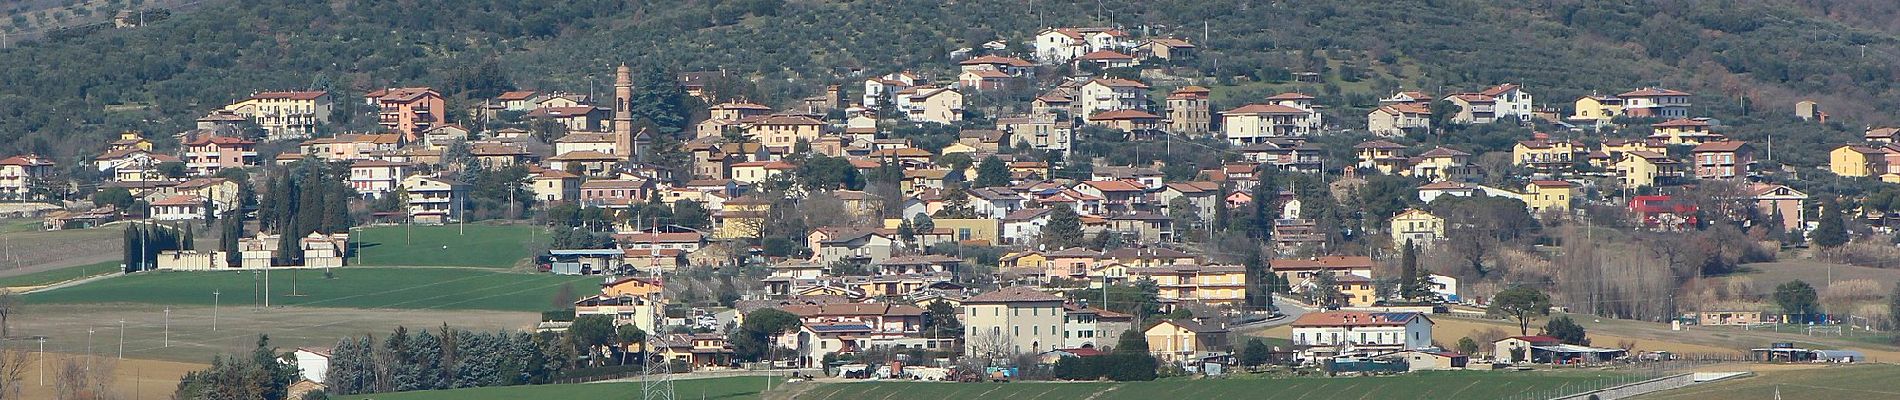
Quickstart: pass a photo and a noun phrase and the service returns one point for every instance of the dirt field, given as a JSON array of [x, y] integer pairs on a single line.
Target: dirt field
[[193, 341], [1816, 273], [131, 379], [34, 251]]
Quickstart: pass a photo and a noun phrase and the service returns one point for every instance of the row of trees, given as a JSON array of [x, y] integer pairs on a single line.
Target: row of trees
[[308, 196], [1128, 361], [450, 358], [143, 242]]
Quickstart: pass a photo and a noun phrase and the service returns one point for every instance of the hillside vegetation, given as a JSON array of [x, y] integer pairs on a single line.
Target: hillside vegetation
[[1748, 61]]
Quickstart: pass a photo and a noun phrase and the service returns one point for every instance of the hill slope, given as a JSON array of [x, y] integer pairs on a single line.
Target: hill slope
[[1748, 61]]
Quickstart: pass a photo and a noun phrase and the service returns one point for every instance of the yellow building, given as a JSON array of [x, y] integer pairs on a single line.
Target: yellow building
[[631, 286], [1684, 131], [1643, 168], [1356, 291], [740, 218], [285, 115], [1857, 160], [1026, 261], [1443, 164], [1417, 226], [130, 140], [1542, 196], [1386, 157], [1597, 108], [960, 229], [784, 130], [1206, 284], [955, 147], [1180, 340], [1546, 156]]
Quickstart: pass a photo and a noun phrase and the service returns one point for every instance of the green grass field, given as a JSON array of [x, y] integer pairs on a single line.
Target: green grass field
[[60, 275], [1868, 381], [354, 287], [719, 388], [1434, 385], [473, 245]]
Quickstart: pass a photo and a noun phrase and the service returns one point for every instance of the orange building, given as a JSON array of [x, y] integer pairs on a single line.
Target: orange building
[[409, 111]]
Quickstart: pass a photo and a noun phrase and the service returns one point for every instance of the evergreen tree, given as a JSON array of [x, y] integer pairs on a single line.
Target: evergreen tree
[[1266, 194], [1064, 229], [991, 172], [1831, 230], [1567, 331]]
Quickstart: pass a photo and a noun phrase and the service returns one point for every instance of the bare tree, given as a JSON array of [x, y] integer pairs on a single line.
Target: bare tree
[[69, 380], [13, 365], [9, 304]]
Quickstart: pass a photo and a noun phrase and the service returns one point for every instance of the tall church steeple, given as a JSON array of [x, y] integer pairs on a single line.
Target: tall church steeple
[[623, 116]]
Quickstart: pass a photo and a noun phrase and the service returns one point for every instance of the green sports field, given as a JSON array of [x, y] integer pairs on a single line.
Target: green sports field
[[60, 275], [1430, 385], [1436, 385], [354, 287], [719, 388], [1869, 381], [472, 245]]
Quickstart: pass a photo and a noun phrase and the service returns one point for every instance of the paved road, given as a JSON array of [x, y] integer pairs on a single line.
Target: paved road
[[1289, 311]]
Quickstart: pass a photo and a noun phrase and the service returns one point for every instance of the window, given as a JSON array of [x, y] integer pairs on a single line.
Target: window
[[1016, 330]]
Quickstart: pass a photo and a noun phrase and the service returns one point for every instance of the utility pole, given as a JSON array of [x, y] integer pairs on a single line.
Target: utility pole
[[122, 339], [168, 327], [214, 311]]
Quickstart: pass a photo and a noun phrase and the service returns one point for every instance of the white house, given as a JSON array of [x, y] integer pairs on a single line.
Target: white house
[[434, 200], [177, 208], [312, 362], [1110, 94], [1059, 45], [878, 88], [1350, 332], [1024, 226]]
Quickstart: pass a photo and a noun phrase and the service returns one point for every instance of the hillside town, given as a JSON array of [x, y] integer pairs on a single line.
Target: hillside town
[[1043, 202]]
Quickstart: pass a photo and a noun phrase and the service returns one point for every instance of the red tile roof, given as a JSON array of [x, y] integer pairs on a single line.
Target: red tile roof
[[1122, 115], [1354, 318]]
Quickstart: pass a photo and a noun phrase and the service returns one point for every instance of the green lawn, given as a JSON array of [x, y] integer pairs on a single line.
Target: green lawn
[[1869, 381], [720, 388], [472, 245], [60, 275], [1433, 385], [354, 287]]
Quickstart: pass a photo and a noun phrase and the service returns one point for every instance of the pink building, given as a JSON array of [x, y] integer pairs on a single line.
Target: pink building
[[209, 154]]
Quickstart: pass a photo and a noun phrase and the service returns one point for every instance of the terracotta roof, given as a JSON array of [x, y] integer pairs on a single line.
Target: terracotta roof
[[1475, 98], [788, 120], [1652, 92], [1105, 55], [1406, 108], [1172, 42], [1119, 82], [1354, 318], [1012, 294], [995, 59], [583, 155], [401, 94], [1494, 91], [1326, 262], [1264, 109], [562, 112], [1887, 133], [1189, 92], [1445, 185], [851, 309], [1721, 146], [515, 95], [1122, 115], [1114, 186], [988, 73], [180, 200], [1443, 152]]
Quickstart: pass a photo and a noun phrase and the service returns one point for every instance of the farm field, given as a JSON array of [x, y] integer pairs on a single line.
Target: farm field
[[131, 379], [472, 245], [27, 252], [194, 340], [52, 276], [1445, 385], [1869, 381], [354, 287], [715, 388]]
